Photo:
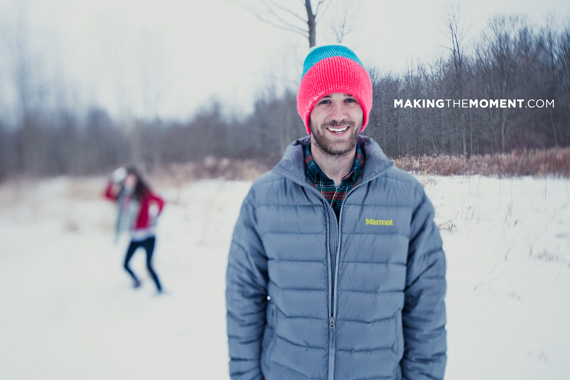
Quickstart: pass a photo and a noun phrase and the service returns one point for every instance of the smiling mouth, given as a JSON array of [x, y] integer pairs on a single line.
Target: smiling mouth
[[338, 131]]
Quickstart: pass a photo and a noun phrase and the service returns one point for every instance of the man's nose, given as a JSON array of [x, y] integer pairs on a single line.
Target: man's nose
[[338, 111]]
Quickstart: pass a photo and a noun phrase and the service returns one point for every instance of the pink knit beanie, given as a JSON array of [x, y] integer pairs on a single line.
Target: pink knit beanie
[[329, 69]]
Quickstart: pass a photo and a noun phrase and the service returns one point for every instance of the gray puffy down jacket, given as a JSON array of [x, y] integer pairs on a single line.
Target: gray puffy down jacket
[[311, 298]]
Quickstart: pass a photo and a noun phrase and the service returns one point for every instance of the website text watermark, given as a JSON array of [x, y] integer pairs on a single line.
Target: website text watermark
[[473, 103]]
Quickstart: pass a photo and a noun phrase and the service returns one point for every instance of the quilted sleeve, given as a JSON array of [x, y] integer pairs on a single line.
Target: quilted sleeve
[[424, 316], [246, 296]]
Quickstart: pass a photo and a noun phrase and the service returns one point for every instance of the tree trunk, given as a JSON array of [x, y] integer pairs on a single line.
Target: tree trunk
[[311, 23]]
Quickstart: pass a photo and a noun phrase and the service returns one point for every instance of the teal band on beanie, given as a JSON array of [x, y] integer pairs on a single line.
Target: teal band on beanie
[[329, 51], [330, 69]]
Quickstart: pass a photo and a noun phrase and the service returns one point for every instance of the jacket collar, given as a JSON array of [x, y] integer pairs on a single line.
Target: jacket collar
[[292, 164]]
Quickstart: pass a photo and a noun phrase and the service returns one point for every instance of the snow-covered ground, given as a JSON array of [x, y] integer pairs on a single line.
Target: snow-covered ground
[[67, 309]]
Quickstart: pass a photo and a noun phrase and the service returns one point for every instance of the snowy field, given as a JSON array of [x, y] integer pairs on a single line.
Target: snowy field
[[67, 309]]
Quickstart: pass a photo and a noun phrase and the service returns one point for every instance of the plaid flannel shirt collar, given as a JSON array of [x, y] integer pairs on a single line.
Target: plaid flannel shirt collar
[[314, 173]]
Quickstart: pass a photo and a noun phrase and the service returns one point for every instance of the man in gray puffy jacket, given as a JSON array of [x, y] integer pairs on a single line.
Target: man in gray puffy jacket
[[336, 268]]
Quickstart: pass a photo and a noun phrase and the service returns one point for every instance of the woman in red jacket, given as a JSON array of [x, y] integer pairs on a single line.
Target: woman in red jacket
[[138, 209]]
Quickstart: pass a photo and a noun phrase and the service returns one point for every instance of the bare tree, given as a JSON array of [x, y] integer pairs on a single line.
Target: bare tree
[[291, 18], [152, 70], [27, 84], [563, 47], [457, 56], [496, 57]]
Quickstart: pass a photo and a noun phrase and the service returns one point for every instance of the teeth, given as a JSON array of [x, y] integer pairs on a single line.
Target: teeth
[[337, 130]]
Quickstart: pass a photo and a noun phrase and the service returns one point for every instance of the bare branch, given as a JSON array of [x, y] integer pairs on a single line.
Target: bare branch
[[321, 15], [343, 25], [319, 5], [284, 10], [244, 6], [341, 30], [284, 17], [287, 27], [280, 20]]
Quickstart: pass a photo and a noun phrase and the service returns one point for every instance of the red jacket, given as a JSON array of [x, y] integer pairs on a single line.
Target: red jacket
[[149, 199]]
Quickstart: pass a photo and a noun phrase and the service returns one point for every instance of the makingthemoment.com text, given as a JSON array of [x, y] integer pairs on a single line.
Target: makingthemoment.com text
[[473, 103]]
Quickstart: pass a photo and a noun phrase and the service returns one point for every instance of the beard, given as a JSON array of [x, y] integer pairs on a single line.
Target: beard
[[335, 147]]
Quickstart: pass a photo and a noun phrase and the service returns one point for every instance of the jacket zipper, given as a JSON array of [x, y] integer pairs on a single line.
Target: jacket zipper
[[333, 277], [334, 292], [333, 287], [330, 241], [331, 348]]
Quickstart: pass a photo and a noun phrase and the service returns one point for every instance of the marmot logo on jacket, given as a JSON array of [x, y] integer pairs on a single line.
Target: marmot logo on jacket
[[379, 222]]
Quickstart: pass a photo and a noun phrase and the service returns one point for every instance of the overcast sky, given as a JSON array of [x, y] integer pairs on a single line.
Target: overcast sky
[[171, 57]]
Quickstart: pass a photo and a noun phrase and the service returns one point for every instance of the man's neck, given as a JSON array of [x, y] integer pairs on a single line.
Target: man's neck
[[334, 167]]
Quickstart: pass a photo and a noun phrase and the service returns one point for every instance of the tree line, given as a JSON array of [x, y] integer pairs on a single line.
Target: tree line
[[511, 60]]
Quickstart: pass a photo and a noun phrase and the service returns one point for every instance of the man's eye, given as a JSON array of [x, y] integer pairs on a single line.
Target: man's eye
[[351, 100], [324, 102]]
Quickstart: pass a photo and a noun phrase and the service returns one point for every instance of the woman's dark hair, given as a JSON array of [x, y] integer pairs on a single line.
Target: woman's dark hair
[[141, 188]]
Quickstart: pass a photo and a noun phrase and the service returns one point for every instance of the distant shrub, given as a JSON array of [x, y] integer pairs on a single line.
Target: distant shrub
[[213, 168], [537, 163]]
